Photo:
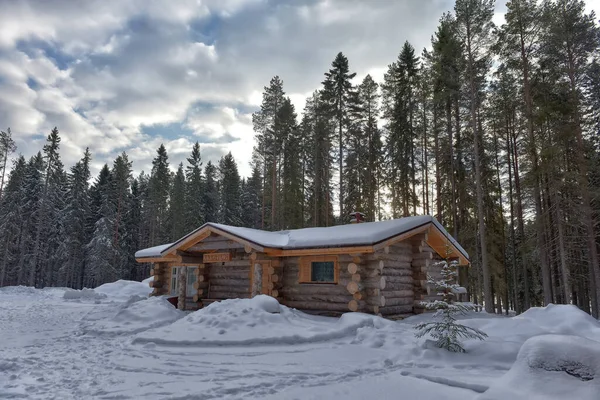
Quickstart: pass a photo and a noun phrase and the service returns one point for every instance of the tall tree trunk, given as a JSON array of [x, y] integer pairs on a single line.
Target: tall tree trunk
[[516, 300], [520, 221], [485, 269], [452, 174], [582, 178]]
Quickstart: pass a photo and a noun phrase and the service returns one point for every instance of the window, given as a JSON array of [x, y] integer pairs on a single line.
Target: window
[[318, 269], [191, 276], [174, 273], [322, 271]]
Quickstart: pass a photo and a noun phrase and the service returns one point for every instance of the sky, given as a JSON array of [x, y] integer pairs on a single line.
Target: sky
[[118, 76]]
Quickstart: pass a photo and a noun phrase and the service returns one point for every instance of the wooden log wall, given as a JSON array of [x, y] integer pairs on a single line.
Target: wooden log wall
[[160, 283], [229, 280], [322, 298], [398, 293], [424, 263]]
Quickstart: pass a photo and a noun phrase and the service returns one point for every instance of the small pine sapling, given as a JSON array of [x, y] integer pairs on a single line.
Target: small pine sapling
[[444, 328]]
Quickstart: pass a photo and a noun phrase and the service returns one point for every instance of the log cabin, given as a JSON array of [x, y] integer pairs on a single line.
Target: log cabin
[[373, 267]]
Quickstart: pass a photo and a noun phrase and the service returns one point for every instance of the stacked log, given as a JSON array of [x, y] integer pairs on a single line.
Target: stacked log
[[201, 284], [276, 278], [230, 279], [159, 283], [421, 267], [397, 294], [318, 297]]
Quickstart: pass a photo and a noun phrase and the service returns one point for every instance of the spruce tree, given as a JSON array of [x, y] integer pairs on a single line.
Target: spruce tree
[[229, 184], [251, 196], [210, 195], [340, 97], [12, 222], [447, 332], [292, 197], [194, 207], [7, 147], [40, 265], [75, 216], [158, 192], [177, 205]]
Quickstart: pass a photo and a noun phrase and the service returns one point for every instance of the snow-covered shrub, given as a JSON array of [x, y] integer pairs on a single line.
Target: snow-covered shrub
[[444, 328]]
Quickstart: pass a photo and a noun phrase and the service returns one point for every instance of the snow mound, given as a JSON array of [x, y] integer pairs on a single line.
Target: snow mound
[[551, 367], [260, 320], [83, 294], [122, 290], [137, 314], [507, 335]]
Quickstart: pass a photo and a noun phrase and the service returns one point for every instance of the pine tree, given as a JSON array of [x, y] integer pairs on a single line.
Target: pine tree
[[339, 96], [474, 22], [7, 147], [229, 183], [445, 330], [570, 39], [267, 153], [194, 207]]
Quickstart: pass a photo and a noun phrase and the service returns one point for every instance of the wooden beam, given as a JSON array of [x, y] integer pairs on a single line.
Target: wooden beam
[[318, 251], [220, 245], [193, 239], [156, 259], [401, 237]]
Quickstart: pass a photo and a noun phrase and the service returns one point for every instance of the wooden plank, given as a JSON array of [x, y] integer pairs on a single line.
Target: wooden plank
[[318, 251], [401, 237], [156, 259], [223, 245], [195, 238]]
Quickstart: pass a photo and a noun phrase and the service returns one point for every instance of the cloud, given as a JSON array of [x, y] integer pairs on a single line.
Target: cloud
[[126, 76]]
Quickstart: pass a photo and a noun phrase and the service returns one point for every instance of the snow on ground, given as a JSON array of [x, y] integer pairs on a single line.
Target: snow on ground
[[261, 320], [126, 346]]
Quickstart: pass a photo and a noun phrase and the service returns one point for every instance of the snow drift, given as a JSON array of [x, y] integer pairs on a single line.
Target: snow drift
[[260, 320], [135, 315], [551, 367], [122, 290]]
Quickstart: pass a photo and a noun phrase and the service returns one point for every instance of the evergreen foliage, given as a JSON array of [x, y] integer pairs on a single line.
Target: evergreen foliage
[[445, 329]]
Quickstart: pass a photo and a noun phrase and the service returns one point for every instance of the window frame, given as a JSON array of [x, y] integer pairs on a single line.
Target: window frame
[[305, 273]]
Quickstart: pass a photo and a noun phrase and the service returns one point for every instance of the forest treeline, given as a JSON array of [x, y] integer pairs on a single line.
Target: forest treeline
[[494, 130]]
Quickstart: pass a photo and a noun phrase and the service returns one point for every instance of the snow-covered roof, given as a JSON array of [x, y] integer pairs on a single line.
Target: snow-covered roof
[[152, 251], [364, 234]]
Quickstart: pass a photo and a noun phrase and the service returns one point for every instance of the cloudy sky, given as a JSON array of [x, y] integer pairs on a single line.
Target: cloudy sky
[[117, 75]]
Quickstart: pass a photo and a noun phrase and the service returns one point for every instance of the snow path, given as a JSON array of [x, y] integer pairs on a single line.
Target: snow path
[[44, 356]]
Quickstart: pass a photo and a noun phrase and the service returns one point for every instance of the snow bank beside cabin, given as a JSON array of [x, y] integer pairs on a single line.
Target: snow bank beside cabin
[[118, 291], [122, 290], [551, 367], [137, 314], [260, 320]]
